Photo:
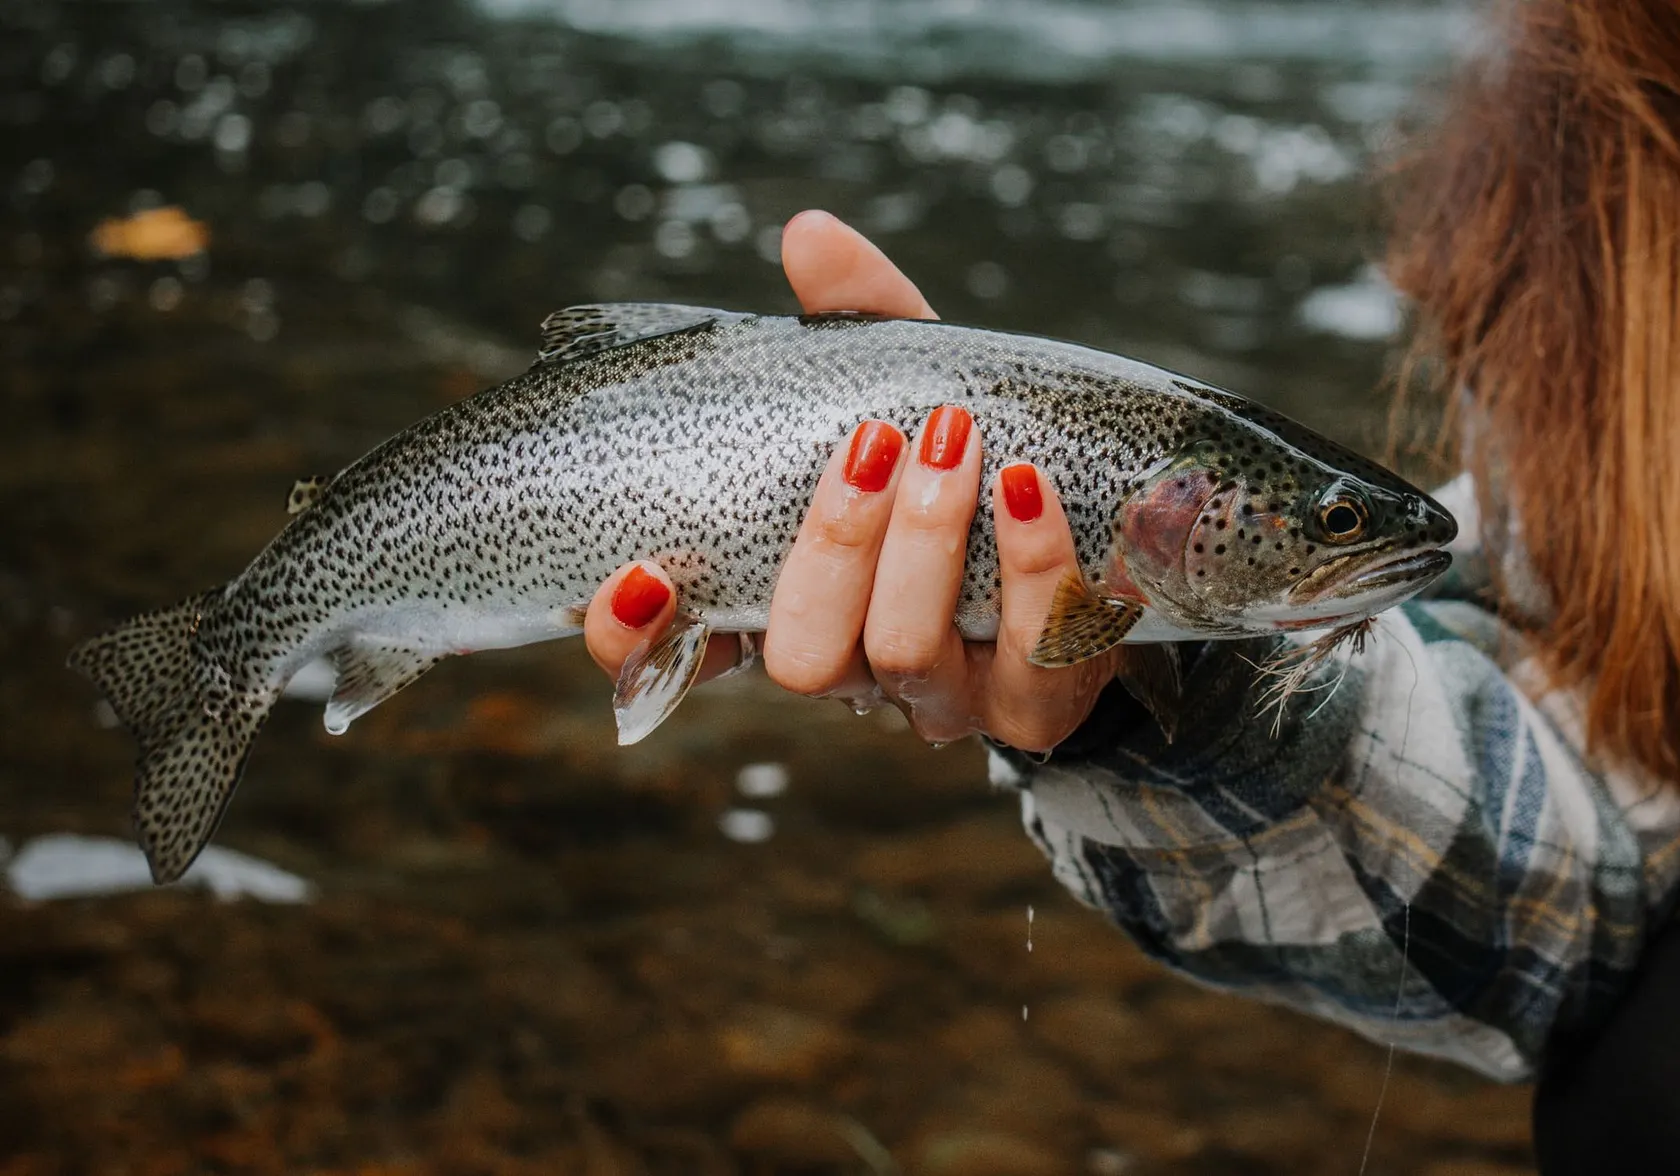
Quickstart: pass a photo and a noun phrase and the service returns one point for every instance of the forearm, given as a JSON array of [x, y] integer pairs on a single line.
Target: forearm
[[1417, 853]]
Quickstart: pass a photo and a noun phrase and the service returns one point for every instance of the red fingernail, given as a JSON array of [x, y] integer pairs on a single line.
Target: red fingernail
[[873, 456], [638, 597], [945, 437], [1021, 493]]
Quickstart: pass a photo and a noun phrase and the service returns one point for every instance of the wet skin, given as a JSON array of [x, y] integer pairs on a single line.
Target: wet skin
[[867, 597]]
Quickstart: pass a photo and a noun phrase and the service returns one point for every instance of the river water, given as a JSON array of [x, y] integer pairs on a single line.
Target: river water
[[477, 936]]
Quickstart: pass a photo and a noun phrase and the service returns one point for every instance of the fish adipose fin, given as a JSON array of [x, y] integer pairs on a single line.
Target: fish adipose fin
[[656, 677], [194, 736], [306, 492], [578, 331], [368, 674], [1154, 675], [1081, 625]]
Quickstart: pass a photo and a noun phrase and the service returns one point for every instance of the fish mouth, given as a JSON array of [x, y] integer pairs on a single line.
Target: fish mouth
[[1379, 584], [1418, 569]]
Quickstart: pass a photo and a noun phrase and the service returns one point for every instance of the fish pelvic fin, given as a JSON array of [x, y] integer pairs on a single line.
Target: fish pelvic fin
[[368, 673], [195, 733], [306, 492], [1154, 675], [578, 331], [656, 678], [1081, 625]]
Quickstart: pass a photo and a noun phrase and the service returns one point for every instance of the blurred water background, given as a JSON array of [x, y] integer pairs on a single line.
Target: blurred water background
[[243, 242]]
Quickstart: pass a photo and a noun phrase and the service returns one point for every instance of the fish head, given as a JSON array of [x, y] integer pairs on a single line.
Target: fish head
[[1262, 526]]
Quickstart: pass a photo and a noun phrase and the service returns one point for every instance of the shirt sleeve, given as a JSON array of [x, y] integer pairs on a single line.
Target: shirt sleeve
[[1413, 845]]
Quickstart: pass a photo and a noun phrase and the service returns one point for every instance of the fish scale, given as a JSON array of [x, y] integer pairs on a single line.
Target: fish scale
[[696, 438]]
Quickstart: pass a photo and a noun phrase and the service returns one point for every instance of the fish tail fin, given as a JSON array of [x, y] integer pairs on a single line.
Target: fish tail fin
[[194, 734]]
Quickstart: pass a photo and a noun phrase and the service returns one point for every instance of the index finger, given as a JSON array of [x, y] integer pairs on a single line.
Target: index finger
[[832, 266]]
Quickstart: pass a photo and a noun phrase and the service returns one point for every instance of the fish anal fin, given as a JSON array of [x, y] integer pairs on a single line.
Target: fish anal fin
[[306, 492], [1081, 625], [1154, 675], [368, 673], [656, 678], [578, 331]]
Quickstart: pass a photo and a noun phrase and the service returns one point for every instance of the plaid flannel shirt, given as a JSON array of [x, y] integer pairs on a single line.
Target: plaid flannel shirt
[[1421, 853]]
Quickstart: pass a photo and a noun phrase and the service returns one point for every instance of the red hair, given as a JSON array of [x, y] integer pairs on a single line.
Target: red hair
[[1538, 232]]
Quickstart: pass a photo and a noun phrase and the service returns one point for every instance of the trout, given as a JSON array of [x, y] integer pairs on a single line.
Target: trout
[[695, 438]]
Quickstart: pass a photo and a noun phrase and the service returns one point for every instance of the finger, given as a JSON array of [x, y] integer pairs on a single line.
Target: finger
[[822, 594], [635, 605], [832, 266], [913, 648], [1027, 706]]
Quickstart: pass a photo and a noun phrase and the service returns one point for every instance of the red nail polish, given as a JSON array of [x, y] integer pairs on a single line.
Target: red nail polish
[[1021, 493], [945, 437], [638, 598], [873, 456]]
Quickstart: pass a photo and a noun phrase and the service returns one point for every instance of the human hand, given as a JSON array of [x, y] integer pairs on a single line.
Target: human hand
[[864, 604]]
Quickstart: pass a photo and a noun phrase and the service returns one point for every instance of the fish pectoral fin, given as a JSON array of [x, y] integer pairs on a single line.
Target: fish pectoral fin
[[1154, 675], [656, 677], [369, 673], [578, 331], [1081, 625], [306, 492]]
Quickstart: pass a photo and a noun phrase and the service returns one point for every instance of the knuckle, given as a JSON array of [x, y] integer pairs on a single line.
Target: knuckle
[[843, 529], [1039, 560], [804, 670], [902, 653]]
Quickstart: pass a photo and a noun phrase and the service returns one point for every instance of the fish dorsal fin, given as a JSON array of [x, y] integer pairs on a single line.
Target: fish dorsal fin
[[306, 492], [656, 677], [369, 673], [1082, 625], [578, 331]]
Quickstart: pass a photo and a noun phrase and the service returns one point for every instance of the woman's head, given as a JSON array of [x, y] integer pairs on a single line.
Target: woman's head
[[1539, 234]]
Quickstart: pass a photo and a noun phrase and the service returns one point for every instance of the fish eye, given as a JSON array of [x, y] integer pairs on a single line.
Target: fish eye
[[1343, 518]]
